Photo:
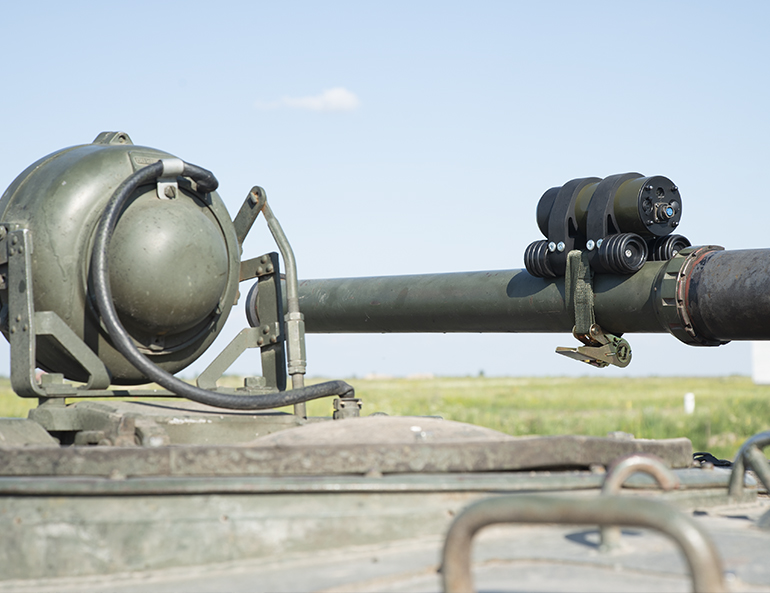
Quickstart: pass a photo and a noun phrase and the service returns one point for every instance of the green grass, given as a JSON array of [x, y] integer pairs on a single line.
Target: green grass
[[727, 410]]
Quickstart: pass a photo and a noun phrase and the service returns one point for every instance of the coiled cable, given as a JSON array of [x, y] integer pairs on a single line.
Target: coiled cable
[[124, 343]]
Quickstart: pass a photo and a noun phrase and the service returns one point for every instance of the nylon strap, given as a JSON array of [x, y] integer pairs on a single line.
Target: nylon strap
[[578, 288]]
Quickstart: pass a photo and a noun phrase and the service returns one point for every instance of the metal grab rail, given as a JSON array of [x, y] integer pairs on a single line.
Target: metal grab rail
[[750, 457], [700, 552], [622, 469]]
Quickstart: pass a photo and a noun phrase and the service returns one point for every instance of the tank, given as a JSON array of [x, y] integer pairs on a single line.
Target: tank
[[119, 264]]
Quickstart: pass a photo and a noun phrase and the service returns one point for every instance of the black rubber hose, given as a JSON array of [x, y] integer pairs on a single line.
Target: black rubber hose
[[123, 341]]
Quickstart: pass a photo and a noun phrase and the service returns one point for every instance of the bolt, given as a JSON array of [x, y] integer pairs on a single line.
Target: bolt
[[561, 246], [648, 223], [590, 244], [270, 269], [599, 242], [24, 327], [14, 240], [2, 232], [648, 188], [628, 253], [260, 269], [170, 191], [674, 223], [263, 259], [18, 318], [273, 339], [12, 251], [266, 330], [674, 188], [21, 250], [260, 342], [552, 247]]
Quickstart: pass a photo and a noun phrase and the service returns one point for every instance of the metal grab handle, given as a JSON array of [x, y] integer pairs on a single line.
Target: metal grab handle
[[622, 469], [750, 457], [700, 552]]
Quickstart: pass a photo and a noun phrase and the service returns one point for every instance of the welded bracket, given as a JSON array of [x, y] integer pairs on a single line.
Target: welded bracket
[[24, 325], [265, 315], [248, 213]]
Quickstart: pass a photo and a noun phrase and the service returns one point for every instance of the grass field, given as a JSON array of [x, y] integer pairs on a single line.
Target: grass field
[[727, 410]]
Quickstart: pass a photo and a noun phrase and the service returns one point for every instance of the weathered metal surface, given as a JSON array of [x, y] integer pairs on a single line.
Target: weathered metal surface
[[22, 432], [119, 525], [517, 454], [728, 295], [67, 536], [701, 554], [520, 558], [181, 422], [697, 485]]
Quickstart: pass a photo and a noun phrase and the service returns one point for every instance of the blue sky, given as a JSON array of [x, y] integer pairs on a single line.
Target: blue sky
[[411, 137]]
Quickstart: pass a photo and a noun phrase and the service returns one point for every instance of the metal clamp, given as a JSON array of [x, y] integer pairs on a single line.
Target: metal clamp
[[671, 306], [622, 469], [701, 554], [600, 349], [166, 186]]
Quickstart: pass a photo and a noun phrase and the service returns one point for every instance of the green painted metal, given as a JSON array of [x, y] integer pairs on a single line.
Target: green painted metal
[[492, 301], [175, 261], [676, 296], [326, 458]]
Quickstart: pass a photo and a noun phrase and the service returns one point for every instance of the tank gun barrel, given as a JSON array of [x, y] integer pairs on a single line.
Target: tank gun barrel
[[704, 296]]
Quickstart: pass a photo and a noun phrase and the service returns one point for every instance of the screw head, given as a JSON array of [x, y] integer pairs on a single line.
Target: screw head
[[590, 244], [551, 246], [561, 246]]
